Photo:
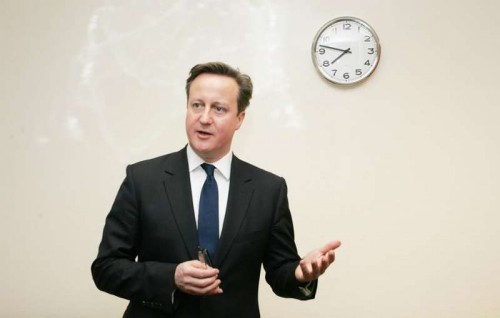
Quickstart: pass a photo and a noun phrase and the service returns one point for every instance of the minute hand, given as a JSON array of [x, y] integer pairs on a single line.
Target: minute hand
[[345, 51], [334, 48]]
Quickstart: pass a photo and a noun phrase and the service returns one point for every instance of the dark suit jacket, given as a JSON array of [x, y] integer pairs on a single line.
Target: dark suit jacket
[[151, 228]]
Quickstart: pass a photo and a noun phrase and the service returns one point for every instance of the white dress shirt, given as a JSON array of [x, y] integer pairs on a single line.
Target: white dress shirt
[[198, 176]]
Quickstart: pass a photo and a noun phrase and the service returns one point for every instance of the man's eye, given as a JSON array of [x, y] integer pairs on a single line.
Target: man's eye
[[220, 109], [196, 105]]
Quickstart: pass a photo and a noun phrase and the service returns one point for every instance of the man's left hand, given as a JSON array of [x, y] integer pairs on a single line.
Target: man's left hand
[[316, 262]]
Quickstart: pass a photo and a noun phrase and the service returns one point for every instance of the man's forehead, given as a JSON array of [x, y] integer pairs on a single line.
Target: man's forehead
[[215, 83], [214, 77]]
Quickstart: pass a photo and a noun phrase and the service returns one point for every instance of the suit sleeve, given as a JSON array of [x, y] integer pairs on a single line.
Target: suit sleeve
[[115, 269], [281, 257]]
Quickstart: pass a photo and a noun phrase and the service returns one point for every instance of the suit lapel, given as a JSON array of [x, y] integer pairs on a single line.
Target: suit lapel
[[240, 193], [178, 190]]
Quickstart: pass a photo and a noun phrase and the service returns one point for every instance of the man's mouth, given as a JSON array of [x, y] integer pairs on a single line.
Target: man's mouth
[[204, 133]]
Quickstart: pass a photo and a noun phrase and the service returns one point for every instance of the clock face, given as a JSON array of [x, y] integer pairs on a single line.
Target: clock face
[[346, 50]]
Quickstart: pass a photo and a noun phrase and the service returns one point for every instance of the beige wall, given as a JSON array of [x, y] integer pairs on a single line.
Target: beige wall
[[404, 169]]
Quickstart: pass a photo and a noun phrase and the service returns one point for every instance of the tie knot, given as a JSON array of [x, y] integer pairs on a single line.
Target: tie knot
[[209, 169]]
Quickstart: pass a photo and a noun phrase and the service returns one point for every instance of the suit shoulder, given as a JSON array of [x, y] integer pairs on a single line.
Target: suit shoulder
[[258, 172], [150, 162], [159, 162]]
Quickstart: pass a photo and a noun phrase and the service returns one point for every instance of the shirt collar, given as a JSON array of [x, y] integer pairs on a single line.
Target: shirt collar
[[223, 164]]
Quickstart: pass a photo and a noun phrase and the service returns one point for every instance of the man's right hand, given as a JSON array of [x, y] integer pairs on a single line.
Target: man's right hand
[[196, 278]]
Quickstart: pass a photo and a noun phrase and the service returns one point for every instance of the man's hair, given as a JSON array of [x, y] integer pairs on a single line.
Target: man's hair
[[244, 81]]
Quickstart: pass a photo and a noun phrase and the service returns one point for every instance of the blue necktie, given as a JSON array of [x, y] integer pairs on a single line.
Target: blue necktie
[[208, 214]]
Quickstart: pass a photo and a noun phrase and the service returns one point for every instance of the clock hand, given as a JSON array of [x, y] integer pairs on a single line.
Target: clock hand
[[334, 48], [345, 51]]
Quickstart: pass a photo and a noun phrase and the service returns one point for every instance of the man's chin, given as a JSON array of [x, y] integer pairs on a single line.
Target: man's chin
[[202, 147], [202, 151]]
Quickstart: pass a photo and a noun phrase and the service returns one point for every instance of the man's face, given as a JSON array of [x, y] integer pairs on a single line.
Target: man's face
[[212, 115]]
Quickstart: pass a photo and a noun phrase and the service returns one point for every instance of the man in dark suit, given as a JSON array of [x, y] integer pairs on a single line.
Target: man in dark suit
[[204, 195]]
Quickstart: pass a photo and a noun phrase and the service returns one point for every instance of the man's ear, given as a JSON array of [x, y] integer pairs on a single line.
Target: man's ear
[[241, 117]]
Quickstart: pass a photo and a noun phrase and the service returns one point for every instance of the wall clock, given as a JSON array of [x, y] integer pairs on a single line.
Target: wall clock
[[346, 50]]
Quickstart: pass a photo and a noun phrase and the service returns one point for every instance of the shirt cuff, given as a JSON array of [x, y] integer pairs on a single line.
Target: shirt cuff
[[307, 290], [173, 295]]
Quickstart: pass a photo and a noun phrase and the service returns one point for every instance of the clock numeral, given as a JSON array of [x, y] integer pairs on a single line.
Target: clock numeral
[[326, 39], [347, 26], [321, 51], [371, 50], [367, 62], [326, 63], [367, 38], [346, 75], [358, 71], [334, 72]]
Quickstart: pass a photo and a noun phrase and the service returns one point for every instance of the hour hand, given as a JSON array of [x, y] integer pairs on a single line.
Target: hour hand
[[335, 48], [344, 52]]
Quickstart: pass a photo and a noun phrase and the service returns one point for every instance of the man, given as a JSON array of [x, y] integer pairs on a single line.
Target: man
[[203, 195]]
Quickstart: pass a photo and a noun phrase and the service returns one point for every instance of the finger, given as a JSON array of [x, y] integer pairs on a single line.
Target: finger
[[216, 291], [211, 289], [306, 271], [194, 289], [316, 269], [325, 262], [329, 257], [200, 282], [330, 246], [202, 272]]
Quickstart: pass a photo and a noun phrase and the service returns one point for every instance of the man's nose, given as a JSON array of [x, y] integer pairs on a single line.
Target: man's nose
[[206, 117]]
